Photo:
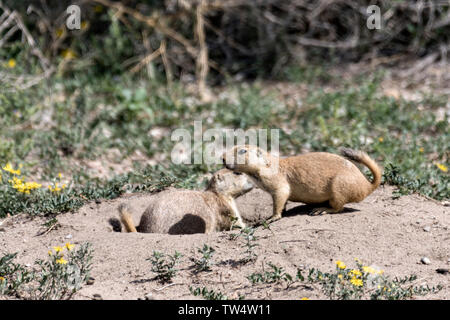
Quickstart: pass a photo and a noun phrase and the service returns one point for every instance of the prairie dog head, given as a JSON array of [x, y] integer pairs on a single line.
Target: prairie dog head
[[230, 183], [247, 159]]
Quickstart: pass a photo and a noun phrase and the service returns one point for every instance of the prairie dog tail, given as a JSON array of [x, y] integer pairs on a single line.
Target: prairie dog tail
[[362, 157], [125, 217]]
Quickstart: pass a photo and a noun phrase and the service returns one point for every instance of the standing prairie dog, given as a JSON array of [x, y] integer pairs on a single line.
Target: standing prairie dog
[[310, 178], [188, 211]]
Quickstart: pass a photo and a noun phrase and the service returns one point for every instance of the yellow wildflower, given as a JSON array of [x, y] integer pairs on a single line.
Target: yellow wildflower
[[2, 279], [356, 282], [421, 149], [60, 32], [304, 298], [355, 273], [11, 63], [68, 54], [15, 181], [60, 175], [56, 188], [84, 25], [340, 276], [50, 252], [58, 249], [26, 187], [381, 139], [61, 261], [442, 167], [340, 264], [368, 270], [69, 246], [9, 168], [98, 8]]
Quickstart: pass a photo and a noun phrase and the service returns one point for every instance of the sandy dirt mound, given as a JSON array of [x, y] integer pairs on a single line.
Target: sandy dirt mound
[[391, 234]]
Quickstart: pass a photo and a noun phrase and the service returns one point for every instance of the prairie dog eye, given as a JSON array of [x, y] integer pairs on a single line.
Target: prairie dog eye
[[237, 173], [242, 151]]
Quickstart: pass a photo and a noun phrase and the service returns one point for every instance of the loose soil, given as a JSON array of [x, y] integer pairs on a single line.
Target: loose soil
[[381, 231]]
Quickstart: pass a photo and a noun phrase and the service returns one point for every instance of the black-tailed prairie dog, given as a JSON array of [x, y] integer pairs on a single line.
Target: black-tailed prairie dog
[[188, 211], [311, 178]]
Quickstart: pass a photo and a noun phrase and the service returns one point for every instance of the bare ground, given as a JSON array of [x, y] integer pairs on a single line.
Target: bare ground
[[379, 231]]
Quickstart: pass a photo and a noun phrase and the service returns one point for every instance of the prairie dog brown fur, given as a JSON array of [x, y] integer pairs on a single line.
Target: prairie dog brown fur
[[311, 178], [188, 211]]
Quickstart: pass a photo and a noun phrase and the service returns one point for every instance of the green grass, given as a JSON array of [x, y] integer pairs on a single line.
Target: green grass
[[62, 124]]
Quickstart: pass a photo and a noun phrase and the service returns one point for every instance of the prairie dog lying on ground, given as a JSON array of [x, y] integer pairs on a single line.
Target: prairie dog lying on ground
[[187, 211], [310, 178]]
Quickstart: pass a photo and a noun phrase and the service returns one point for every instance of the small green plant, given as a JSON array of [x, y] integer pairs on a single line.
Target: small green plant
[[363, 282], [404, 186], [59, 277], [208, 294], [248, 233], [204, 263], [276, 275], [164, 268], [13, 276]]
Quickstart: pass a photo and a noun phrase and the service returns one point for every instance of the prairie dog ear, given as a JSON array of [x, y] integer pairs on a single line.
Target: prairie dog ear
[[265, 160], [259, 153]]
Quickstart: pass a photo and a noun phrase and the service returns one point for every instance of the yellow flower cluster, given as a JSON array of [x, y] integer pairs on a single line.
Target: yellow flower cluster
[[19, 184], [10, 169], [59, 252], [356, 282], [61, 261], [24, 187], [371, 270], [59, 249], [56, 187], [356, 276], [355, 273], [442, 167]]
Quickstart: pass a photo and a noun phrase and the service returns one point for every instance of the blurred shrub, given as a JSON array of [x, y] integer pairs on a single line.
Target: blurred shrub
[[248, 38]]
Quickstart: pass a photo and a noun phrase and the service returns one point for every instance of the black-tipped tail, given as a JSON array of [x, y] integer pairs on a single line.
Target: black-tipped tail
[[362, 157]]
